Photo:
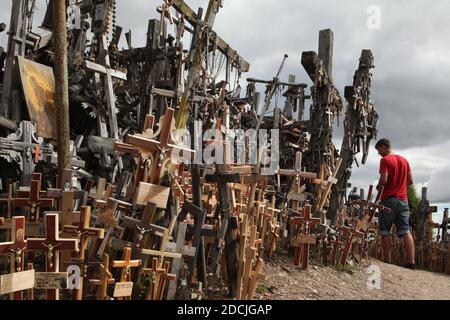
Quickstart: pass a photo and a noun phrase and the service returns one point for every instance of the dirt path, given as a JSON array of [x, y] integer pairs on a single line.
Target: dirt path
[[284, 281]]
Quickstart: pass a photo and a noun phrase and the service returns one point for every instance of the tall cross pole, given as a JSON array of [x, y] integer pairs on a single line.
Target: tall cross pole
[[61, 88]]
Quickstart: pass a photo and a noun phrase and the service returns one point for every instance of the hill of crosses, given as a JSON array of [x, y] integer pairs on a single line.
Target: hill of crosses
[[149, 173]]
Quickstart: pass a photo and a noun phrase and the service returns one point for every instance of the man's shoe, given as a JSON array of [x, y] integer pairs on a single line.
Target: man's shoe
[[410, 266]]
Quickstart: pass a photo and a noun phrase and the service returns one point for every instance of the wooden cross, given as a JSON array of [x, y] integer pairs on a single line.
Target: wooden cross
[[142, 228], [34, 202], [52, 244], [306, 238], [330, 182], [16, 249], [83, 232], [336, 244], [351, 234], [199, 216], [162, 253], [368, 207], [9, 200], [158, 150], [222, 179], [126, 264], [105, 279], [257, 275], [160, 276], [84, 264], [108, 219]]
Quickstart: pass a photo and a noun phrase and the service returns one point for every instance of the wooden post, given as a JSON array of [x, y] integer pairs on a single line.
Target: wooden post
[[61, 87]]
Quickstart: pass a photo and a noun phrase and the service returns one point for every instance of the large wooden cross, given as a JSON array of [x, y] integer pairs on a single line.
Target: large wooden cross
[[34, 201], [222, 179], [158, 150], [52, 244]]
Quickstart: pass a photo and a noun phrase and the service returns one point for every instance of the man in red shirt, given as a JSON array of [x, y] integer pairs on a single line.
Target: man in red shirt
[[395, 178]]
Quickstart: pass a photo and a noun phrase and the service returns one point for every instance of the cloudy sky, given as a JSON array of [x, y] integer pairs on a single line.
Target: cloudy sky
[[411, 79]]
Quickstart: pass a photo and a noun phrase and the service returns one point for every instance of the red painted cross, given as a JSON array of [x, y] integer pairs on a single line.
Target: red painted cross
[[34, 201]]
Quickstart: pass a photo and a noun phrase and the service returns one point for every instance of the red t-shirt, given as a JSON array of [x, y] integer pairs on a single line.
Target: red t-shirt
[[397, 168]]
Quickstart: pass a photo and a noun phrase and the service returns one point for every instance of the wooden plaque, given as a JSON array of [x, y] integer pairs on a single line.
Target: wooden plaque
[[304, 239], [17, 281], [147, 192], [123, 289], [189, 251], [38, 83], [51, 280]]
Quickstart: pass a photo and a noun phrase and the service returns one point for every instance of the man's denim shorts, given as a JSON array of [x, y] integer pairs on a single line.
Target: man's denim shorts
[[399, 216]]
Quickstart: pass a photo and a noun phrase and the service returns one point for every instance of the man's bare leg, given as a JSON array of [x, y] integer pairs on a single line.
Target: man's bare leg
[[409, 245], [387, 248]]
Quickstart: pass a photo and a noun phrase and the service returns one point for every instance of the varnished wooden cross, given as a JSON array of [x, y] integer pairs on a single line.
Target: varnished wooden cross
[[158, 150], [305, 239], [350, 233], [160, 276], [107, 217], [83, 231], [126, 264], [144, 227], [52, 244], [105, 279], [16, 249], [34, 202]]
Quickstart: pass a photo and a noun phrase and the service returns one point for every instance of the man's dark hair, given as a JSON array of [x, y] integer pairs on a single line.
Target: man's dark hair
[[383, 143]]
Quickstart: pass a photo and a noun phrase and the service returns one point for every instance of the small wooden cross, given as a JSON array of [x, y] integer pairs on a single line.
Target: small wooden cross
[[9, 200], [52, 244], [142, 228], [107, 217], [126, 264], [83, 232], [105, 279], [330, 182], [351, 233], [37, 153], [84, 264], [34, 202], [16, 249], [199, 216], [306, 238], [368, 207], [160, 276]]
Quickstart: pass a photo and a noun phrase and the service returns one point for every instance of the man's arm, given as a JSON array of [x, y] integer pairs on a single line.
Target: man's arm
[[409, 178], [383, 180]]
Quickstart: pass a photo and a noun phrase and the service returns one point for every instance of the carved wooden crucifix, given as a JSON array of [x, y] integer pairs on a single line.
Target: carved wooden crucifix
[[16, 249], [34, 201], [52, 244]]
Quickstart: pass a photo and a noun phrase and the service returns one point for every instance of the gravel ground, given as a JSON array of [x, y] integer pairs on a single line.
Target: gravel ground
[[284, 281]]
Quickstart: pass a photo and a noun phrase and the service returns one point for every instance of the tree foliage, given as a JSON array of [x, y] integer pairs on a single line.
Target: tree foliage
[[413, 198]]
